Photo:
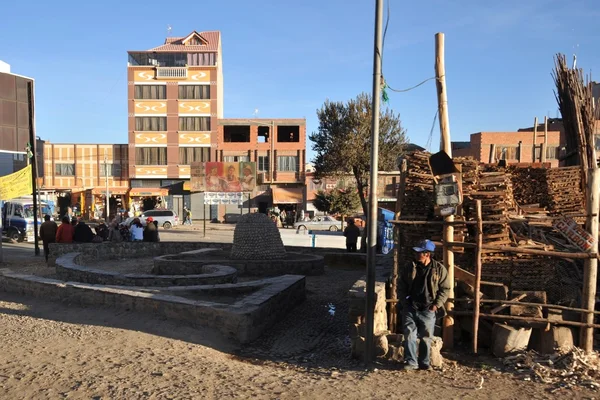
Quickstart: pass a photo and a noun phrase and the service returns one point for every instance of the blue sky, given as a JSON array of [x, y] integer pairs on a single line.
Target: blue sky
[[285, 58]]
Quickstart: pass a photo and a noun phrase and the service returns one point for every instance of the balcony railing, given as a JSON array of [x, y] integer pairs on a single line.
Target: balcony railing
[[171, 72]]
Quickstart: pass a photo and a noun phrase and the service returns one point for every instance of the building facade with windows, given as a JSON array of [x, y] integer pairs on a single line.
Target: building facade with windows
[[14, 120], [175, 95], [514, 147], [278, 147], [76, 176]]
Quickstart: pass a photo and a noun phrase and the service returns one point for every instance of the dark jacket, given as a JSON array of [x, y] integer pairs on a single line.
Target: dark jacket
[[48, 231], [352, 233], [151, 233], [114, 235], [82, 233], [436, 279]]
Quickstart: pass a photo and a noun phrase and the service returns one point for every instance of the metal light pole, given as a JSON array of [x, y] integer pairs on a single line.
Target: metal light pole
[[372, 219], [106, 181]]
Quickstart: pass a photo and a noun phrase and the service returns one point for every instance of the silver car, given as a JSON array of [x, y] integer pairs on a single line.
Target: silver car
[[325, 223], [165, 218]]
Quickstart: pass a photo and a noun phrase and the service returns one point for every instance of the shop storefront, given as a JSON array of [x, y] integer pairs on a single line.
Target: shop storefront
[[289, 200], [95, 203], [141, 199]]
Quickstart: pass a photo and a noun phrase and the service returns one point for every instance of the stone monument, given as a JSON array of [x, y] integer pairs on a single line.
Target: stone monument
[[256, 237]]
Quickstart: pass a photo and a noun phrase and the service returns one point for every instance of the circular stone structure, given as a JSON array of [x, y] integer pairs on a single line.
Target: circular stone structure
[[256, 237]]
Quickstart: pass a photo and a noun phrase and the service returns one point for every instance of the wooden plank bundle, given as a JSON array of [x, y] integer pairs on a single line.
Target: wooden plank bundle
[[564, 191]]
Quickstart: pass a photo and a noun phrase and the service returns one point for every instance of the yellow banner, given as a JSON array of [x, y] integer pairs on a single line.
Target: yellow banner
[[16, 184]]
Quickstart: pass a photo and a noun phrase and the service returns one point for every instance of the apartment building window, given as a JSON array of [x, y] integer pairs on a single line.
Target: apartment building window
[[504, 152], [64, 169], [263, 163], [188, 155], [236, 134], [288, 134], [194, 124], [236, 158], [150, 123], [552, 152], [150, 92], [144, 183], [151, 156], [194, 92], [287, 163], [114, 170]]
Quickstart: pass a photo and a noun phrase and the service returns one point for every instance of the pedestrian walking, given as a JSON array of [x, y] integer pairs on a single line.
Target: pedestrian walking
[[423, 289], [352, 233]]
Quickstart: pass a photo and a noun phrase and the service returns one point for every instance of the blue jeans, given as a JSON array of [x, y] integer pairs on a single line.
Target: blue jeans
[[421, 323]]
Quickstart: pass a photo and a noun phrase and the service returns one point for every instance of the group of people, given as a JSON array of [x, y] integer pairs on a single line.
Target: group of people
[[77, 231]]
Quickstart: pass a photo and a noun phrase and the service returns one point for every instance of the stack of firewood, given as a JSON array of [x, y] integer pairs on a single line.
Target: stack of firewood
[[417, 204], [529, 184], [564, 194]]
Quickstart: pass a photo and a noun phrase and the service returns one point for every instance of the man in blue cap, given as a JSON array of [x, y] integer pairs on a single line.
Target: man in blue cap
[[423, 289]]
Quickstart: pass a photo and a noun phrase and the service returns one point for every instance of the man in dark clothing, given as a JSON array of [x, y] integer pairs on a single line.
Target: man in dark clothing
[[48, 234], [423, 289], [151, 230], [352, 232], [83, 233]]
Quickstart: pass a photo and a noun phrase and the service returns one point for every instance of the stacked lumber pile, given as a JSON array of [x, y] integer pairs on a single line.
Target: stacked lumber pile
[[417, 204], [564, 191], [529, 185], [494, 189]]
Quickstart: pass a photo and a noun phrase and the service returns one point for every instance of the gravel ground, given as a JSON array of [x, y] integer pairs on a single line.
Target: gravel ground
[[58, 350]]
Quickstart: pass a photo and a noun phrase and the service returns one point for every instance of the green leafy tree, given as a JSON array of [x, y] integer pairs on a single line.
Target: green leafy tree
[[345, 202], [342, 143], [323, 201]]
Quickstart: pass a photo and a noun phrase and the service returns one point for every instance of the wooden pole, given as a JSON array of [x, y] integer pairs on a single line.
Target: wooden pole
[[590, 271], [445, 145], [479, 241], [535, 126], [545, 142], [492, 158], [520, 151], [393, 317]]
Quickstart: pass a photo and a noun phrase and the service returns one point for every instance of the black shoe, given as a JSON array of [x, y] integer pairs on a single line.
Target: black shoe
[[425, 367]]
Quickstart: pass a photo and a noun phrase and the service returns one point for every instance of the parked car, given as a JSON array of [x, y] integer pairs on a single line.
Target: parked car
[[325, 223], [165, 218], [231, 218]]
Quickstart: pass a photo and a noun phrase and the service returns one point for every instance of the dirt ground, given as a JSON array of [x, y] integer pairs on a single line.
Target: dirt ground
[[56, 350]]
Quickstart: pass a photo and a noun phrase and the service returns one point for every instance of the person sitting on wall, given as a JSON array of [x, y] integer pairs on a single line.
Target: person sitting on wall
[[151, 230], [114, 233], [423, 288], [64, 233], [82, 233], [136, 230]]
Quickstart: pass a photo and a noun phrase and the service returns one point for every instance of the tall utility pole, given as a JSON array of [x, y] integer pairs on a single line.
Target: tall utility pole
[[30, 97], [440, 74], [106, 181], [372, 218]]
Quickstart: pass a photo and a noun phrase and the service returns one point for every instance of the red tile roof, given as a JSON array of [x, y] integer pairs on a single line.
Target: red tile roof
[[175, 44]]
